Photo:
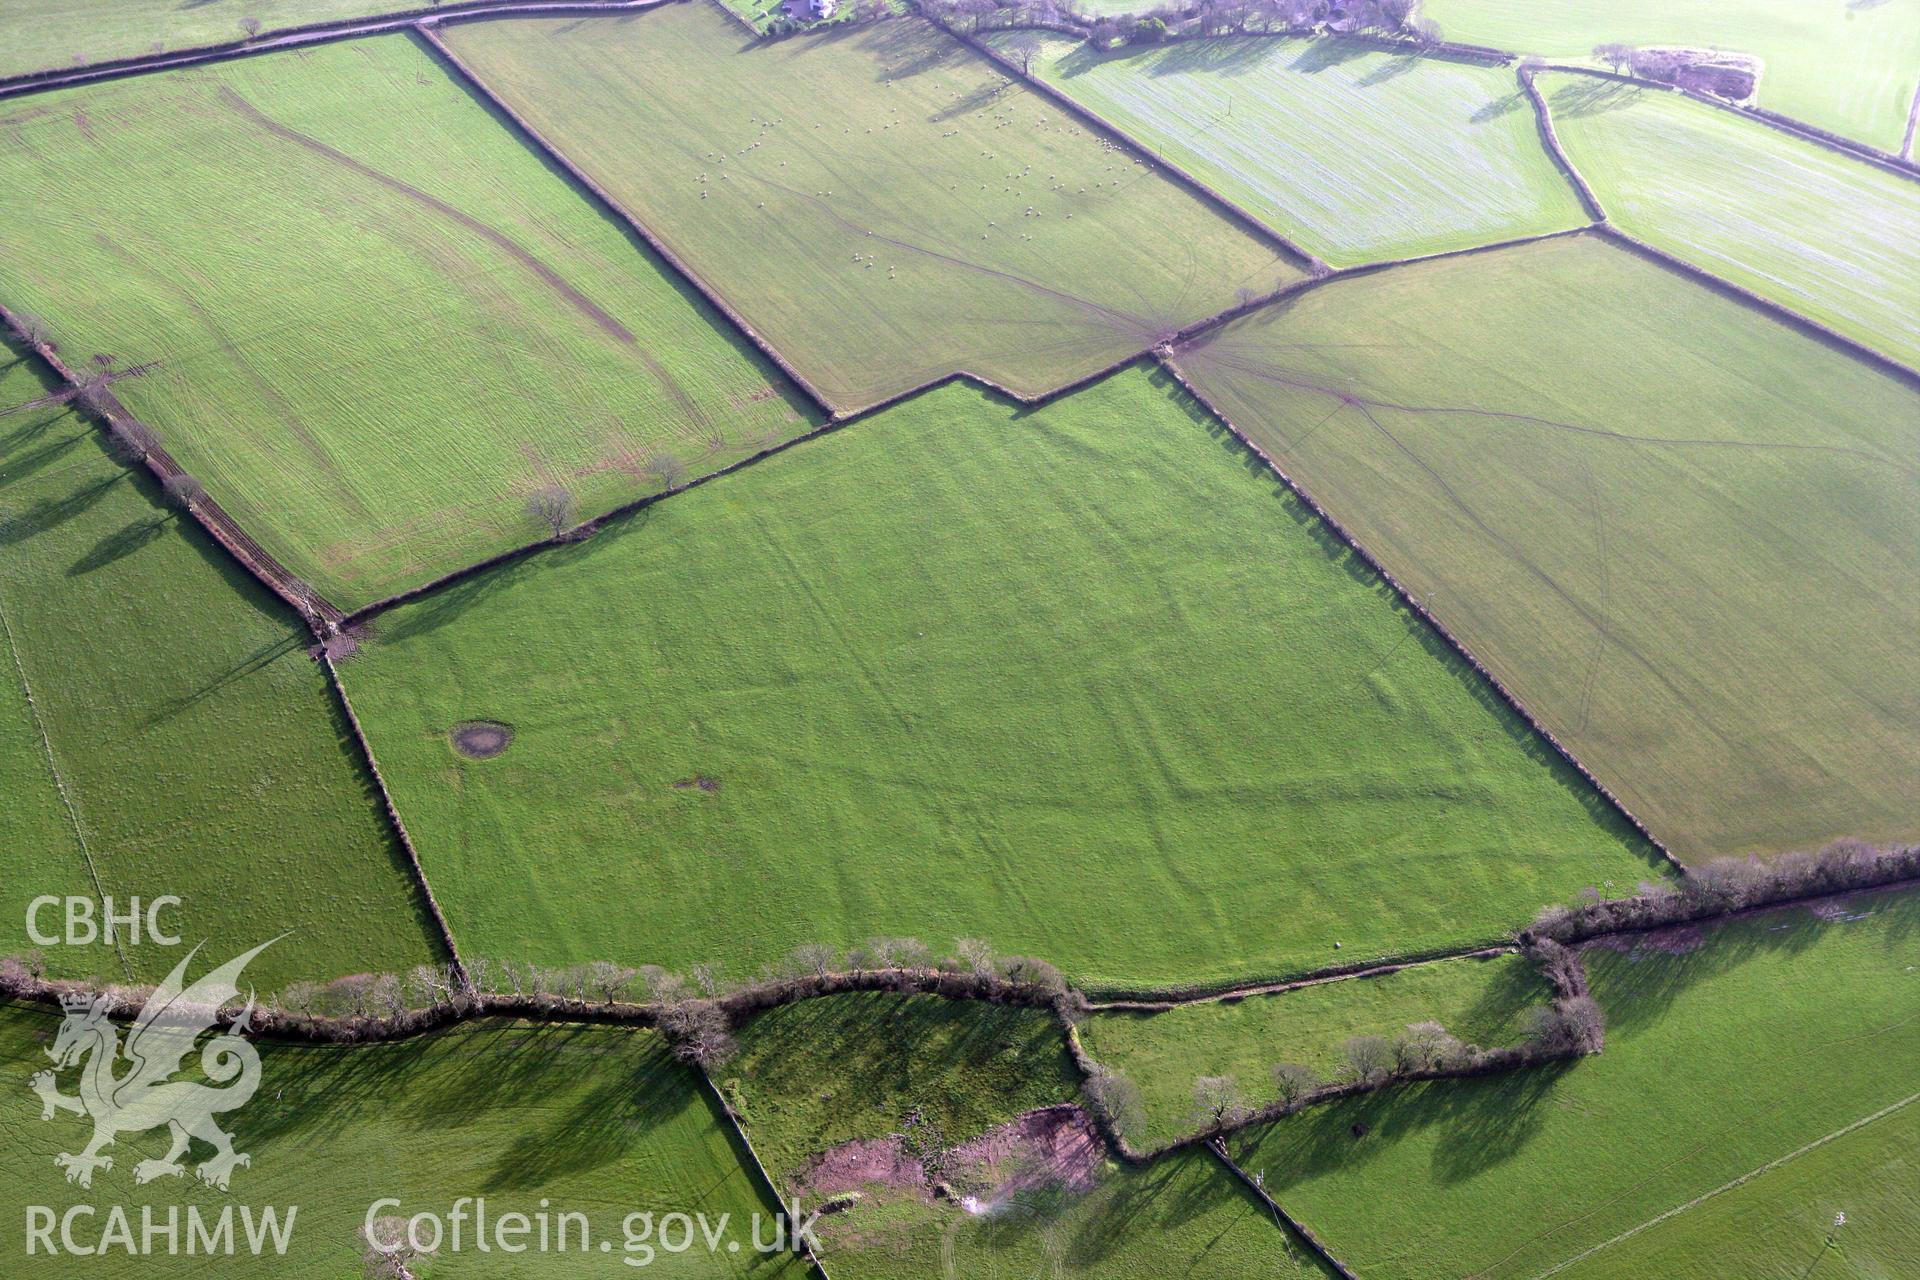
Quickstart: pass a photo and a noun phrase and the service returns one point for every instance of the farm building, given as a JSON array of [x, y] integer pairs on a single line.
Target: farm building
[[809, 10]]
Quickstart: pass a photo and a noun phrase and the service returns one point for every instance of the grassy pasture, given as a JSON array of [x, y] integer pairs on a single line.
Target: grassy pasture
[[224, 222], [855, 690], [812, 1076], [198, 744], [600, 1121], [1724, 1055], [1479, 1000], [1356, 153], [1683, 533], [44, 36], [1779, 1227], [1828, 237], [881, 203], [1847, 67]]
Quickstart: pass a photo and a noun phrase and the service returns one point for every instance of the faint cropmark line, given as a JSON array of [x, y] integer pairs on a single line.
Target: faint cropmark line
[[146, 1096]]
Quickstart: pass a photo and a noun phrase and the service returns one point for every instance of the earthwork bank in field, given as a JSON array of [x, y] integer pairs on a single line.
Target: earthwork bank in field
[[377, 320], [1828, 237], [980, 1098], [881, 203], [1684, 533], [1355, 152], [1727, 1052], [1846, 67], [1078, 681], [592, 1120], [162, 730]]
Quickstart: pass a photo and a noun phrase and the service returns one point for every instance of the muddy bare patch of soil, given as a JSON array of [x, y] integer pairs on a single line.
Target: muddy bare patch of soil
[[480, 739], [698, 782], [1051, 1147]]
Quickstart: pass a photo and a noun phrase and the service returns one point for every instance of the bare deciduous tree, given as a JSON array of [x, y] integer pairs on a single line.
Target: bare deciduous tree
[[1292, 1082], [668, 470], [251, 26], [699, 1032], [1217, 1103], [976, 955], [1118, 1098], [816, 959], [553, 507], [1368, 1059], [183, 490], [608, 979]]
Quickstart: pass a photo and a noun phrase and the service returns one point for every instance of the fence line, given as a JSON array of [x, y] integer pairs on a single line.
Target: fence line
[[613, 206], [418, 871], [1294, 1225], [106, 408], [1303, 257], [1420, 609], [297, 37], [737, 1126]]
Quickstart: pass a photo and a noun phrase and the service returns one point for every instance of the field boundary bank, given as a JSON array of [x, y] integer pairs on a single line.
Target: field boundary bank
[[1183, 997], [1897, 165], [419, 872], [1303, 258], [303, 36], [319, 614], [270, 1024], [427, 30], [1167, 361], [1293, 1225], [1778, 312], [737, 1129], [1550, 139]]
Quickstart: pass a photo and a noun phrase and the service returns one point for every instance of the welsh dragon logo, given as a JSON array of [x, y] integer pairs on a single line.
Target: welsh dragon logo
[[146, 1096]]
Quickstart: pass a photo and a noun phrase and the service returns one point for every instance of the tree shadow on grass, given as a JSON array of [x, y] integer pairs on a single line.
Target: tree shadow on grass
[[1589, 96], [1638, 980], [1498, 107], [497, 1075], [119, 544], [1481, 1123]]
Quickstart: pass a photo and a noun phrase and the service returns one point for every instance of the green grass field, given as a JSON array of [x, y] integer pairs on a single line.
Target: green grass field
[[51, 34], [1771, 1034], [812, 1076], [1182, 1216], [1479, 1000], [1778, 1227], [1827, 237], [1845, 66], [1355, 153], [599, 1121], [881, 203], [225, 224], [1078, 681], [198, 744], [1683, 533]]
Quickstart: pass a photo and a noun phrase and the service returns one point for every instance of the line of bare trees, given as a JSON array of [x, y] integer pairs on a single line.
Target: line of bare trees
[[1192, 18], [697, 1011], [1727, 885]]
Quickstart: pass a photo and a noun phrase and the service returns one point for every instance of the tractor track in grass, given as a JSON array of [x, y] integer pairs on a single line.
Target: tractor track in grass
[[499, 239], [59, 779]]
